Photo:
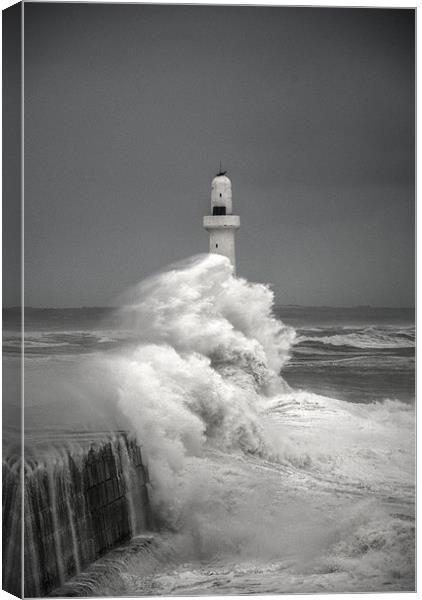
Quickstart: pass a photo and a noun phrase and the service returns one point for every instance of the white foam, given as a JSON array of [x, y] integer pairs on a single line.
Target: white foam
[[369, 446], [368, 338]]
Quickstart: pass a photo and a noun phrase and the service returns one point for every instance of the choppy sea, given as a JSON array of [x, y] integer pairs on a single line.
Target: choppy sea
[[280, 439]]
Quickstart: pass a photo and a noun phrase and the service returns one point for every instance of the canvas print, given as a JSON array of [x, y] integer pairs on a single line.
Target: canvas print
[[208, 300]]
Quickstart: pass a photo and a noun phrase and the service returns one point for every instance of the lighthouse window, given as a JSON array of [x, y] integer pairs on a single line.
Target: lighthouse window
[[220, 195], [216, 245], [219, 210]]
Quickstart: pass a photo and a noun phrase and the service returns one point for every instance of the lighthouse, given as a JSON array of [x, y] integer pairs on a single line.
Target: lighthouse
[[222, 223]]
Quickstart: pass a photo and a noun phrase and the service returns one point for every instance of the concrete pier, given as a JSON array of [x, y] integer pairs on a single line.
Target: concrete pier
[[78, 507]]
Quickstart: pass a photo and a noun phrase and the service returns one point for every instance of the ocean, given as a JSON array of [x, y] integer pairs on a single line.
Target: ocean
[[280, 440]]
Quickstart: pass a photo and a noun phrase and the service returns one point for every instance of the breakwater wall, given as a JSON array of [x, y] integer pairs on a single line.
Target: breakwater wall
[[12, 522], [80, 503]]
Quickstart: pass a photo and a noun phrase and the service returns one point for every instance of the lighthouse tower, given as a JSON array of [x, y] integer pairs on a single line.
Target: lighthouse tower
[[222, 223]]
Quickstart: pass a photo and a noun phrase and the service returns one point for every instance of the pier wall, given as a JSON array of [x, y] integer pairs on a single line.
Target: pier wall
[[78, 505]]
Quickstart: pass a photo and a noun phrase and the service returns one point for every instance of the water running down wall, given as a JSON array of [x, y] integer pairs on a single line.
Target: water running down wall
[[78, 505]]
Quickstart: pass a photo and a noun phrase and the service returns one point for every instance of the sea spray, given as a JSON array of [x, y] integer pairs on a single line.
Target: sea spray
[[200, 307], [205, 352]]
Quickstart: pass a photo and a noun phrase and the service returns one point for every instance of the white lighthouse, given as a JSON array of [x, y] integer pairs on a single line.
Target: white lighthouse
[[222, 223]]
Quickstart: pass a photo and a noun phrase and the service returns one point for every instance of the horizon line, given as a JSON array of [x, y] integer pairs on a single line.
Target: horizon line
[[289, 305]]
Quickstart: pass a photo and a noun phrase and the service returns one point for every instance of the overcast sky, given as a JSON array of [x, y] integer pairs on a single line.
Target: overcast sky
[[129, 108]]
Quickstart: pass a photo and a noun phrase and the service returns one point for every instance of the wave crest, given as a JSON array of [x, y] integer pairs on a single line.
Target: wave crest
[[206, 351], [366, 339]]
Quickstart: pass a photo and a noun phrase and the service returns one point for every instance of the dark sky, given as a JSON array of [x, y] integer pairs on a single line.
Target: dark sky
[[129, 108]]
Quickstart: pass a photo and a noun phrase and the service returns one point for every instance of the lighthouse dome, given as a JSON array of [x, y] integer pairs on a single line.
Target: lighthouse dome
[[221, 195], [221, 180]]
